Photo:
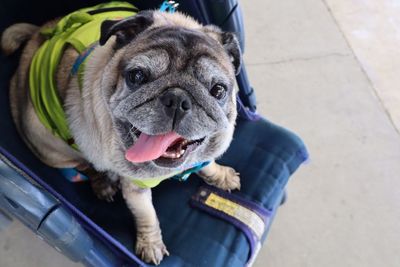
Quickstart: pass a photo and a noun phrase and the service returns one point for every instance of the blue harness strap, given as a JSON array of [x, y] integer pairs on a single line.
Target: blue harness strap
[[169, 6], [184, 175], [73, 175], [81, 58]]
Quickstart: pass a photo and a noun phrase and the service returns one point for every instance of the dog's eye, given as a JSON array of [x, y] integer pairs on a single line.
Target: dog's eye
[[218, 91], [136, 76]]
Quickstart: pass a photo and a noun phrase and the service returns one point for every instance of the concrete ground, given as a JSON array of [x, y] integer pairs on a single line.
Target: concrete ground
[[328, 70]]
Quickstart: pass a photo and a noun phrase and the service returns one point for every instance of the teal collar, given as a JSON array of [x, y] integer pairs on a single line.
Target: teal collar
[[73, 175]]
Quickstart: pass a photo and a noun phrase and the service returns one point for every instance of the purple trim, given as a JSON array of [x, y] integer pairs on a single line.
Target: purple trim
[[244, 112], [88, 223], [251, 237], [198, 200]]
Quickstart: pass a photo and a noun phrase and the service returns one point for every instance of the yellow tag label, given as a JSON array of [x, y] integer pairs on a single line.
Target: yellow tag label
[[243, 214]]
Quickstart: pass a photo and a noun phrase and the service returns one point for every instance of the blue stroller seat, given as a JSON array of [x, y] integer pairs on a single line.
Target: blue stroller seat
[[69, 216]]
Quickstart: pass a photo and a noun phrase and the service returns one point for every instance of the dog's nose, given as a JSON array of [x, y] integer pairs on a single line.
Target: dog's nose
[[177, 103]]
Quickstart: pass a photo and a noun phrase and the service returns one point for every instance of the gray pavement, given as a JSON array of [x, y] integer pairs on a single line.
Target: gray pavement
[[314, 75]]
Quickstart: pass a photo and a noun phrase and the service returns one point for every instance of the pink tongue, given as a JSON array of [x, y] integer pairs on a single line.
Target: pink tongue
[[150, 147]]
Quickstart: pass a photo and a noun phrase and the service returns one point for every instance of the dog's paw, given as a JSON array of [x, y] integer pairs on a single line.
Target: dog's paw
[[104, 189], [151, 251], [225, 178]]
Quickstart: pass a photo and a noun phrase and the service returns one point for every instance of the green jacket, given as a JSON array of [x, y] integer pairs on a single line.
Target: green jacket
[[80, 29]]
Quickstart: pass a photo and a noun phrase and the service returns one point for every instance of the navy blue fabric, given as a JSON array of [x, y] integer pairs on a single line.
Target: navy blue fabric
[[265, 155]]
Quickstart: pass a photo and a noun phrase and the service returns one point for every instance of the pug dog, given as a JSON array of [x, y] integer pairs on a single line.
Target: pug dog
[[157, 94]]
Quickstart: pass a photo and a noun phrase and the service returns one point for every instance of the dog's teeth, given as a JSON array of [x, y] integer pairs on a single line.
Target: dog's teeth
[[173, 155], [168, 154]]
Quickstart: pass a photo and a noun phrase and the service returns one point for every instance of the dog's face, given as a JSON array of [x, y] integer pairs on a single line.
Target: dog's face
[[170, 92]]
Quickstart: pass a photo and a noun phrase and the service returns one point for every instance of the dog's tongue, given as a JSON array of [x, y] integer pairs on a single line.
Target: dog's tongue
[[150, 147]]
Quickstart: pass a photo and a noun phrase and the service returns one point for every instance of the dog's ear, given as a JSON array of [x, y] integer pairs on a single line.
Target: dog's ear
[[232, 47], [125, 30], [229, 41]]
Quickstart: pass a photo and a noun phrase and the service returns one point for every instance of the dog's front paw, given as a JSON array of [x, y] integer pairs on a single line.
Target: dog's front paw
[[105, 191], [103, 187], [225, 178], [150, 249]]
